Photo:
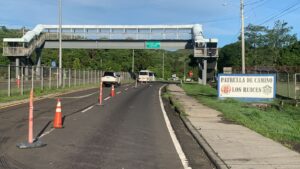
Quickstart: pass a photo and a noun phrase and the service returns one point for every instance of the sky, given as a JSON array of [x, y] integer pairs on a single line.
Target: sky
[[220, 18]]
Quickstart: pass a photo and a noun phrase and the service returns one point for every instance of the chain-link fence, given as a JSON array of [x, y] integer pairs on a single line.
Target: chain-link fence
[[287, 81], [19, 80]]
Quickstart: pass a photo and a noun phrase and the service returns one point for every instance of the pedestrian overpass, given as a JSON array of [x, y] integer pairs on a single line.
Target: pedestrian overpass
[[166, 37]]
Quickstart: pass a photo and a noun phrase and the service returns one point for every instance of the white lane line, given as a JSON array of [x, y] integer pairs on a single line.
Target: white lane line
[[78, 97], [47, 132], [118, 92], [87, 109], [126, 89], [107, 98], [178, 148]]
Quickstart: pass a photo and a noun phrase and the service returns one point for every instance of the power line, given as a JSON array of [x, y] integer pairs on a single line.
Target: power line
[[262, 3], [281, 13], [287, 12], [254, 2], [219, 20]]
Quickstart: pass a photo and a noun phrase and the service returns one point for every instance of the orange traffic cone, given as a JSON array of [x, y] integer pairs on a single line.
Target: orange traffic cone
[[57, 122], [112, 92]]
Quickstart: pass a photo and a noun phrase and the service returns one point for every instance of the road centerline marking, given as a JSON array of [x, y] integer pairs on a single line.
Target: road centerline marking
[[87, 109], [126, 89], [118, 92], [47, 132], [107, 98]]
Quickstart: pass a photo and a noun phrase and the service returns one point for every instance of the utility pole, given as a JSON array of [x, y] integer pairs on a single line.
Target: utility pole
[[163, 67], [132, 70], [243, 36], [60, 45], [23, 29]]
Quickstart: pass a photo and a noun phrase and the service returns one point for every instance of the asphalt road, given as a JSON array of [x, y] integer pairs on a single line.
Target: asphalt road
[[128, 132]]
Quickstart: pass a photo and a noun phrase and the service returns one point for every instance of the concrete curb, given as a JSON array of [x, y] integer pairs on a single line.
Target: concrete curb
[[212, 155]]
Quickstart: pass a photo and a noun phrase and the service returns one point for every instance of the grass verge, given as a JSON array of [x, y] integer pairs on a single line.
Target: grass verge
[[174, 104], [279, 124]]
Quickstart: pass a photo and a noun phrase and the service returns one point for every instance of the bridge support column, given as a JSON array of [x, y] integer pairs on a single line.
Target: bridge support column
[[204, 72], [17, 67], [26, 68], [25, 64], [38, 62], [203, 68]]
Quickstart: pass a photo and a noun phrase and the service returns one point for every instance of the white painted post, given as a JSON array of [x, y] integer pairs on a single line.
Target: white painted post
[[8, 81], [50, 77], [22, 81], [57, 77], [75, 78], [69, 78], [42, 77]]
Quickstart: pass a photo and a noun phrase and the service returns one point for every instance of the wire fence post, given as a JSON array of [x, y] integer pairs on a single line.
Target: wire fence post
[[8, 81], [42, 77], [69, 78], [288, 84], [79, 78], [22, 81], [88, 77], [95, 76], [26, 72], [75, 78], [295, 88], [50, 77], [83, 77], [57, 76], [64, 77]]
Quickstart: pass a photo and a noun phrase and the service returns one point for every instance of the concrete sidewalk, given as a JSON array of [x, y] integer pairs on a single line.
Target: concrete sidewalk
[[238, 146]]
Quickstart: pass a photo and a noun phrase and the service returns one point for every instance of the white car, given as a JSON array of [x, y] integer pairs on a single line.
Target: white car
[[111, 78]]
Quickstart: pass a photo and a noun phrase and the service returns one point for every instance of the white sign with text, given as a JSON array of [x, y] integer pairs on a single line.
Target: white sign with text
[[247, 86]]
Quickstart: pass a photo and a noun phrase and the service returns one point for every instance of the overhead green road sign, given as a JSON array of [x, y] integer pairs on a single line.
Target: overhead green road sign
[[153, 45]]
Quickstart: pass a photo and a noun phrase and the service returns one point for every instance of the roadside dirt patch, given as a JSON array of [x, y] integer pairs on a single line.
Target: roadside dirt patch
[[296, 147]]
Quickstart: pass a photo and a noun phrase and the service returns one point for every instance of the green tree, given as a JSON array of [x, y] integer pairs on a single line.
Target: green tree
[[76, 64], [279, 37], [230, 55]]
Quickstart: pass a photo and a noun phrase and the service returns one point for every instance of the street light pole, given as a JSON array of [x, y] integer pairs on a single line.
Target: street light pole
[[60, 43], [243, 37]]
